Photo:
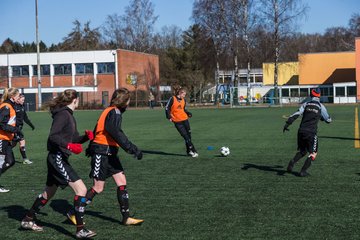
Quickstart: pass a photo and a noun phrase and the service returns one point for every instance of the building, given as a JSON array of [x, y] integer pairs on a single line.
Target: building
[[94, 74]]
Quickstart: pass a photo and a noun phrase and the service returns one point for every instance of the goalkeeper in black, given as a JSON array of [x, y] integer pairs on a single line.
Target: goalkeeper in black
[[311, 111]]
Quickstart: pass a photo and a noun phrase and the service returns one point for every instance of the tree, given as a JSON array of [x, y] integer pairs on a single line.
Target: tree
[[280, 17], [81, 38]]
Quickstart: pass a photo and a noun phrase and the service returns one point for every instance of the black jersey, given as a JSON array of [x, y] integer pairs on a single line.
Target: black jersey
[[21, 116], [311, 112], [63, 131]]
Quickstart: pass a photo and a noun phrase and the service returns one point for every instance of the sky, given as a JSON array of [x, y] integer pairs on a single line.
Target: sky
[[56, 17]]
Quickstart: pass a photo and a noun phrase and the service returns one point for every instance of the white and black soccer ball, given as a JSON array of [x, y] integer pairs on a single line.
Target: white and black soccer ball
[[225, 151]]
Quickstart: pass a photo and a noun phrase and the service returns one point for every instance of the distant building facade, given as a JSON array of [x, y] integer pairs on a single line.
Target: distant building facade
[[94, 74]]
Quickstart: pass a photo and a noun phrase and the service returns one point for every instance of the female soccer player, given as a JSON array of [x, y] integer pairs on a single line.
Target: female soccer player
[[21, 117], [63, 140], [176, 112], [103, 150], [7, 130]]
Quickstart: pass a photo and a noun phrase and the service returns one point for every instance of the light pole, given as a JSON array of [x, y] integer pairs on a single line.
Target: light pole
[[115, 68], [38, 57]]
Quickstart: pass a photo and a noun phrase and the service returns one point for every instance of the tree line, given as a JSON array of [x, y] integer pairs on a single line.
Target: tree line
[[226, 35]]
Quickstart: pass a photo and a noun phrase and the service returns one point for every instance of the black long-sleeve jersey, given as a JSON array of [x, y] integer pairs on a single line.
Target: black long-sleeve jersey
[[311, 112], [113, 127], [169, 105], [5, 117], [63, 131], [21, 116]]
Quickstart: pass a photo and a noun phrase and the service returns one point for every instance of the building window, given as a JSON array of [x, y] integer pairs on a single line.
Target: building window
[[304, 92], [44, 70], [340, 91], [84, 68], [20, 71], [106, 67], [351, 91], [285, 92], [3, 71], [62, 69], [294, 92]]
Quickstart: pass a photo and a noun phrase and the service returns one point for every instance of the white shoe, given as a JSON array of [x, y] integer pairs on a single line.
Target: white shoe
[[31, 225], [27, 161], [193, 154], [85, 233], [3, 190]]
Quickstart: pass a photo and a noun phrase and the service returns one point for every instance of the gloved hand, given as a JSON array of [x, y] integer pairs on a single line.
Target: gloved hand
[[189, 114], [286, 128], [33, 127], [89, 134], [75, 148], [138, 154], [329, 120]]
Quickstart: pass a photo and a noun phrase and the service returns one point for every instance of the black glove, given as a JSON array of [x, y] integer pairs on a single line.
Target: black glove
[[138, 154], [286, 128], [189, 114], [33, 128], [135, 151]]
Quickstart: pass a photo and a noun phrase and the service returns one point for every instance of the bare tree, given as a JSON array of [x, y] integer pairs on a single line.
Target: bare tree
[[280, 17], [139, 20]]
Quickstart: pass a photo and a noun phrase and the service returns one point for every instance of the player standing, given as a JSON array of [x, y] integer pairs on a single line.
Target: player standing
[[7, 130], [105, 163], [176, 112], [63, 140], [307, 139]]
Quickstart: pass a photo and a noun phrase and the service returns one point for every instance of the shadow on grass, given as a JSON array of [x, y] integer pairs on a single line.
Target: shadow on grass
[[163, 153], [18, 212], [277, 168], [63, 206], [340, 138]]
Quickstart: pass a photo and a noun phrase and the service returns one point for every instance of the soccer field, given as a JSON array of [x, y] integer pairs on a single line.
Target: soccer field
[[247, 195]]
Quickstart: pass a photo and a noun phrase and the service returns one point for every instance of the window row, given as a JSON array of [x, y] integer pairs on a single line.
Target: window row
[[59, 69]]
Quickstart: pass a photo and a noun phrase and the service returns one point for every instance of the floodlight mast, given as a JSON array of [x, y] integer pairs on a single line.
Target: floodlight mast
[[38, 57]]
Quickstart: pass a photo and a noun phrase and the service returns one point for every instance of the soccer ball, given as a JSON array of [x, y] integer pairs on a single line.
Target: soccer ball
[[225, 151]]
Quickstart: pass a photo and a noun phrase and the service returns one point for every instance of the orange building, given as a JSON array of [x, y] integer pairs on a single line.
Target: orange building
[[95, 74]]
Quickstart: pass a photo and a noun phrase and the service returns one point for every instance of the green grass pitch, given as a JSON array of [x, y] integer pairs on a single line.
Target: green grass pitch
[[246, 195]]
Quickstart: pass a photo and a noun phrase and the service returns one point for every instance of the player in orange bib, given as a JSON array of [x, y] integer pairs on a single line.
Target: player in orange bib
[[176, 112], [7, 130]]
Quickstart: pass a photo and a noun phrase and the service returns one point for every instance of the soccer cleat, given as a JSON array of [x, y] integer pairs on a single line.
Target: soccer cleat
[[4, 190], [31, 225], [85, 233], [71, 216], [304, 174], [27, 161], [193, 154], [132, 221]]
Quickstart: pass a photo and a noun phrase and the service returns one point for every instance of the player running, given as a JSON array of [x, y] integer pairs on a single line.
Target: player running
[[311, 112], [103, 150], [176, 112], [21, 117], [63, 140], [7, 130]]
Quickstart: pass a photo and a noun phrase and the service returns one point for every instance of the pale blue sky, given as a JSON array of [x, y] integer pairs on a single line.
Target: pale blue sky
[[17, 17]]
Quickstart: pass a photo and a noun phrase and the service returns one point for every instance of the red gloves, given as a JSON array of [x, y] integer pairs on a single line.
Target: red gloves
[[75, 148], [89, 134]]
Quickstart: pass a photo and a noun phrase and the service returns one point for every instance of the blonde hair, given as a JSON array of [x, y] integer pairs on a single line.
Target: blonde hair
[[64, 99], [9, 93], [120, 98]]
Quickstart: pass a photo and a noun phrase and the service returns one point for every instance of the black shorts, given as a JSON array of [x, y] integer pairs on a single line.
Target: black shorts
[[60, 172], [307, 142], [104, 166]]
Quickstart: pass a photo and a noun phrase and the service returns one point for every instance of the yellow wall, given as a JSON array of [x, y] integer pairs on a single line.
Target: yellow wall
[[287, 71], [319, 68]]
